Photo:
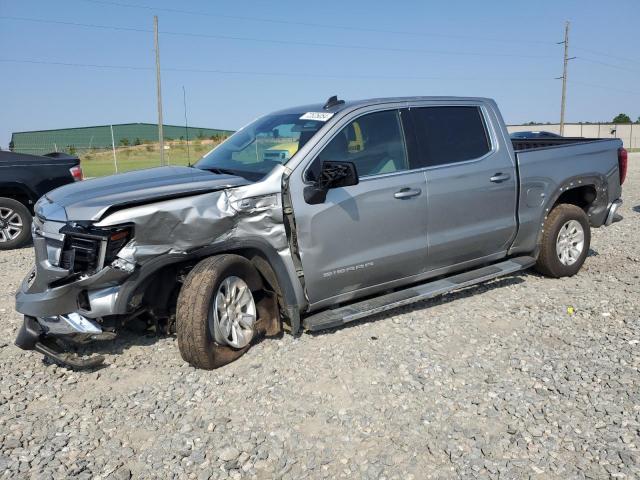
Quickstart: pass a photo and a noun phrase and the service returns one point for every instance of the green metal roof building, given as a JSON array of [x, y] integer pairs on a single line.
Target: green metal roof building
[[99, 137]]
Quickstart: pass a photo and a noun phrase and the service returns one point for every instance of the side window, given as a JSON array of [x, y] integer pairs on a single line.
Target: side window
[[450, 134], [373, 142]]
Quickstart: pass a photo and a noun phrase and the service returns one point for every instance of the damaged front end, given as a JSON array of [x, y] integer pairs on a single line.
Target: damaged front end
[[73, 287], [98, 269]]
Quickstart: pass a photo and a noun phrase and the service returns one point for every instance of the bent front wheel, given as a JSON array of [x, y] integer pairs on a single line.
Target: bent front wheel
[[216, 314]]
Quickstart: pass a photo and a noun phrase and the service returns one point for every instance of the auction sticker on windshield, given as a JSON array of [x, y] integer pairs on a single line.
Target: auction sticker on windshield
[[319, 116]]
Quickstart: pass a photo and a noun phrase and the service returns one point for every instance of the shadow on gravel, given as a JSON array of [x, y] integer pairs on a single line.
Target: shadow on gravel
[[514, 279], [636, 209], [592, 253], [125, 340]]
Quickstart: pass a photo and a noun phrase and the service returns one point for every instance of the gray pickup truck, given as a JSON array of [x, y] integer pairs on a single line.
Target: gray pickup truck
[[310, 218]]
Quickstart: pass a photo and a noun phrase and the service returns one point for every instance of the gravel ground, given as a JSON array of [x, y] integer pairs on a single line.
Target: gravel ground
[[498, 381]]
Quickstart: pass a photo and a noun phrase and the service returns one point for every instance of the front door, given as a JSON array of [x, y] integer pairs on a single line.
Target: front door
[[366, 235]]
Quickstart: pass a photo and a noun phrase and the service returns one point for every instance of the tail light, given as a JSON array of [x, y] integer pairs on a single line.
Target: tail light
[[76, 173], [622, 164]]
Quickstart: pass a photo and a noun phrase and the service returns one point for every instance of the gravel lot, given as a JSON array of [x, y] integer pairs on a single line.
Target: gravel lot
[[498, 381]]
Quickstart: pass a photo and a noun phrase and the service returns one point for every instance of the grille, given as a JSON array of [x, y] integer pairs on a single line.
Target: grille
[[81, 254]]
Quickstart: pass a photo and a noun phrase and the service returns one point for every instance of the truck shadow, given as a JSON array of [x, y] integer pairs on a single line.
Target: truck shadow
[[514, 279], [125, 340]]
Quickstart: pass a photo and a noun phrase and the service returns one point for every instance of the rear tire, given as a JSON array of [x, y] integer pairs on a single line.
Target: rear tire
[[197, 305], [15, 224], [565, 241]]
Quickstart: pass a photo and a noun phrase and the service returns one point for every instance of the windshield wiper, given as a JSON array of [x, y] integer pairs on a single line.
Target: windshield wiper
[[221, 171]]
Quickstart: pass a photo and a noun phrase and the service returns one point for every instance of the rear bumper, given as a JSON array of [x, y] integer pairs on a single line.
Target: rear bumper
[[612, 217]]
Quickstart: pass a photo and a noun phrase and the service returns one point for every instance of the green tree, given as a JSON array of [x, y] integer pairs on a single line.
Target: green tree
[[124, 142], [622, 118]]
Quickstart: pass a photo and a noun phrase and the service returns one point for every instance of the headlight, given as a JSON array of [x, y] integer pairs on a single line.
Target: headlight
[[256, 203], [89, 249]]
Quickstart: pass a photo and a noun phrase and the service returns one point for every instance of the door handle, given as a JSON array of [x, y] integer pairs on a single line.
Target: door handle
[[500, 177], [407, 193]]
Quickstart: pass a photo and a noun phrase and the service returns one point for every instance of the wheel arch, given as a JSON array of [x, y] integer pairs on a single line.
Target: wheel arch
[[260, 253], [589, 192], [18, 192]]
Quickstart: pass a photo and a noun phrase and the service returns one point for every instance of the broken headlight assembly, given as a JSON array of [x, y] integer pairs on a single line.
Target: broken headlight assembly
[[89, 249]]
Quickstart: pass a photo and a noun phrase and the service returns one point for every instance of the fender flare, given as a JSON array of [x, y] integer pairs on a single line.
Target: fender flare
[[19, 187], [598, 209]]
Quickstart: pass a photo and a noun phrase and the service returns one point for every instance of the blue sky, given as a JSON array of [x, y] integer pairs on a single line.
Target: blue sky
[[505, 50]]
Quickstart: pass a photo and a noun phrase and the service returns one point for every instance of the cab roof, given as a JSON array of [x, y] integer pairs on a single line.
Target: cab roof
[[353, 104]]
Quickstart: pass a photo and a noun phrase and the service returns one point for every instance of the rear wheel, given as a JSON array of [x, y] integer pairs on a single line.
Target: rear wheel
[[216, 314], [565, 241], [15, 224]]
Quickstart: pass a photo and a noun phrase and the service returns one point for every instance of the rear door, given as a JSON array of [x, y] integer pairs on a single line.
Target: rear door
[[367, 235], [471, 184]]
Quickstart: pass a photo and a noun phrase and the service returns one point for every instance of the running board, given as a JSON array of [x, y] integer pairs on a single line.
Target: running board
[[355, 311]]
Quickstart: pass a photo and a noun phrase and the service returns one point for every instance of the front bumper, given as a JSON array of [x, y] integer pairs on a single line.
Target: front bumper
[[60, 306], [93, 297], [50, 290], [33, 335]]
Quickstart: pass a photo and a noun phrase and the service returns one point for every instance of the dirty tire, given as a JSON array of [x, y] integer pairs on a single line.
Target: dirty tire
[[195, 341], [548, 262], [22, 212]]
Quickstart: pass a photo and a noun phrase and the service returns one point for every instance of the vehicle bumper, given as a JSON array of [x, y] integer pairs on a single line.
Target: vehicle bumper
[[73, 327], [35, 335], [50, 290], [612, 216], [59, 305]]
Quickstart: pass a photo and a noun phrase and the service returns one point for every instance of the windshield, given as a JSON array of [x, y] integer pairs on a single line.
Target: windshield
[[256, 149]]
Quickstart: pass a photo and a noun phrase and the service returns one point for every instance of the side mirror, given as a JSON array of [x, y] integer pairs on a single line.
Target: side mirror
[[332, 175]]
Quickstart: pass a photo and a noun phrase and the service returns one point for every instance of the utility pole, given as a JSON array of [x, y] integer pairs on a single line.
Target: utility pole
[[159, 89], [564, 75]]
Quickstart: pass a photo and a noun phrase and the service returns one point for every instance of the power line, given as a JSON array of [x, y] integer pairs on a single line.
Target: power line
[[309, 24], [227, 72], [314, 44], [610, 65], [609, 55], [279, 74], [604, 87], [279, 42]]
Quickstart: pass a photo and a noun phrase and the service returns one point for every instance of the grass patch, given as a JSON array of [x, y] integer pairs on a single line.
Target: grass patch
[[99, 163]]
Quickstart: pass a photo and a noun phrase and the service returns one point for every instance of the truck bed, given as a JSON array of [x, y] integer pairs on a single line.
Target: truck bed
[[520, 144], [547, 167]]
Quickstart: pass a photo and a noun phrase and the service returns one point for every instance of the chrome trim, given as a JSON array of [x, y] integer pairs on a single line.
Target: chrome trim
[[102, 255], [613, 208], [71, 323], [102, 302]]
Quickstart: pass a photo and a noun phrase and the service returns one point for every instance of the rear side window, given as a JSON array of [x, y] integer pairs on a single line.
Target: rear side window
[[450, 134]]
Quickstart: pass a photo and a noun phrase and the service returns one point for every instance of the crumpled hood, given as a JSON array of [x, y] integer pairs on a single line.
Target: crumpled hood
[[90, 199]]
